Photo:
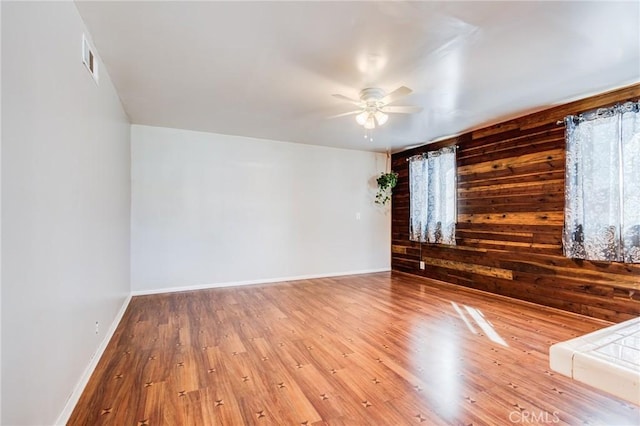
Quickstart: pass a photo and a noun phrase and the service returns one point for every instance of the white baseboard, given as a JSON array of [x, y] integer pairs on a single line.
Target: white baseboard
[[250, 282], [63, 418]]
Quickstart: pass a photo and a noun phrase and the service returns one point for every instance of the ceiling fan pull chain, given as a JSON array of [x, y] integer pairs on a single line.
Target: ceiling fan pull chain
[[368, 134]]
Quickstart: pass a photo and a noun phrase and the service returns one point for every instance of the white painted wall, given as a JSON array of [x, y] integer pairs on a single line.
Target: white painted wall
[[209, 209], [65, 209], [0, 220]]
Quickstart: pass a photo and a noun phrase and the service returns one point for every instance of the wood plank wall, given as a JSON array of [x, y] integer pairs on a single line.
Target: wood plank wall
[[510, 219]]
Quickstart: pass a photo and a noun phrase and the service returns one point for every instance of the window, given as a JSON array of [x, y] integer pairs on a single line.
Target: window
[[602, 205], [432, 191]]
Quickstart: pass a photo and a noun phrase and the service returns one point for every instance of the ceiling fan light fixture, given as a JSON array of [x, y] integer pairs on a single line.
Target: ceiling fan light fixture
[[381, 117], [362, 118], [370, 123]]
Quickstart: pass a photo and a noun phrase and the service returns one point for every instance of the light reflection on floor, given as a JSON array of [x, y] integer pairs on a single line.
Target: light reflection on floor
[[440, 369], [477, 316]]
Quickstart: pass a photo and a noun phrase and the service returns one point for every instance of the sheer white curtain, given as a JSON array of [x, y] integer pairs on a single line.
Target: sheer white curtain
[[602, 205], [432, 192]]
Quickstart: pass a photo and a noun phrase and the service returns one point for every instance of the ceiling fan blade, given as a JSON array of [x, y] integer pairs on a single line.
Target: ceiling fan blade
[[346, 99], [401, 109], [396, 94], [345, 114]]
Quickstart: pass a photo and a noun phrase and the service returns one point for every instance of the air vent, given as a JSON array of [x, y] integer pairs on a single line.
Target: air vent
[[89, 58]]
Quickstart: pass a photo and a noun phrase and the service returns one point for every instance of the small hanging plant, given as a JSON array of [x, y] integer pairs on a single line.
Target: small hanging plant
[[386, 183]]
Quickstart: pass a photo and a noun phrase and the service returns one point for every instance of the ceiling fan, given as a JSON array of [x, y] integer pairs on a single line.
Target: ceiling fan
[[374, 106]]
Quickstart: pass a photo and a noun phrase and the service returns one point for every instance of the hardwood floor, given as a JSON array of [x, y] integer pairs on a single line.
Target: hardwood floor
[[381, 349]]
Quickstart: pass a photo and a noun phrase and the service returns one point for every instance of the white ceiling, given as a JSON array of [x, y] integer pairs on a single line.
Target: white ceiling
[[268, 69]]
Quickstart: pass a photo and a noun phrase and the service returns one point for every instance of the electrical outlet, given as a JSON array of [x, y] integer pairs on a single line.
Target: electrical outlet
[[421, 264], [97, 327]]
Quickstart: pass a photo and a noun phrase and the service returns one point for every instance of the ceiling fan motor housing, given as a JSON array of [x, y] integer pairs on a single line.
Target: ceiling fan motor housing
[[371, 95]]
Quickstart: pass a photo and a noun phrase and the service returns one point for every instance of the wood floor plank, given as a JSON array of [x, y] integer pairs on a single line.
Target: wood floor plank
[[383, 349]]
